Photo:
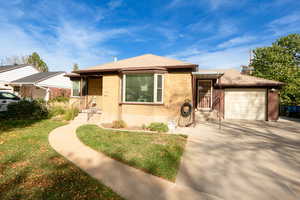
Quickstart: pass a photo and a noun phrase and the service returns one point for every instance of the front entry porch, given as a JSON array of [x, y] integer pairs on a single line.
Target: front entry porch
[[87, 96], [87, 92], [207, 97]]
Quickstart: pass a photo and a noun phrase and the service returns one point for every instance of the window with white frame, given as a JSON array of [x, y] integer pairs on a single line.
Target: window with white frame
[[76, 88], [146, 88]]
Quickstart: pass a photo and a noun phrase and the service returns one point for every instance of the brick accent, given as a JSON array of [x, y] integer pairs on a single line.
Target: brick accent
[[56, 92]]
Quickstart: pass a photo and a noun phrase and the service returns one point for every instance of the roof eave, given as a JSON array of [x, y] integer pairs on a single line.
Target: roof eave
[[135, 68], [251, 85]]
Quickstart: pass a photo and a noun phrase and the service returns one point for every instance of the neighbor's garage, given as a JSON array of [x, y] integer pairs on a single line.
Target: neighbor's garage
[[245, 103]]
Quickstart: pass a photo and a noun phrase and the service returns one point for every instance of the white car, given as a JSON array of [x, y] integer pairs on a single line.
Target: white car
[[7, 98]]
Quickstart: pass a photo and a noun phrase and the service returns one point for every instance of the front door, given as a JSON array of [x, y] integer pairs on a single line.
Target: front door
[[204, 94]]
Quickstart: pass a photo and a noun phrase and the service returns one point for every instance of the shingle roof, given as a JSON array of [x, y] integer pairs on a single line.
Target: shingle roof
[[233, 77], [72, 75], [147, 61], [35, 78], [11, 67]]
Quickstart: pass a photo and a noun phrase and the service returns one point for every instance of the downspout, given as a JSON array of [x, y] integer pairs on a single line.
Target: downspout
[[81, 103], [220, 102]]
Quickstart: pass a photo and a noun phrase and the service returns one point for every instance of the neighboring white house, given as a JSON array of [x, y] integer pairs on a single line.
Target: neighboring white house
[[10, 73], [43, 85]]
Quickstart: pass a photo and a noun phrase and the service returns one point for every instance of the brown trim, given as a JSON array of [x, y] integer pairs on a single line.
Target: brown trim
[[141, 68], [194, 97], [144, 72], [267, 104], [133, 68], [252, 85], [141, 103], [247, 86], [72, 75]]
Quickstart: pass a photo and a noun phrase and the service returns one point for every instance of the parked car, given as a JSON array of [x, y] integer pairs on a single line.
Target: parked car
[[7, 98]]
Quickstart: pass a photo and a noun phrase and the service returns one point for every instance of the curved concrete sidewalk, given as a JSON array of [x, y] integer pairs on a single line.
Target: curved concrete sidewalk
[[130, 183]]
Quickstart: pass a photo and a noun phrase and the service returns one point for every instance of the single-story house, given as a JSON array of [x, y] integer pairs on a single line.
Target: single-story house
[[152, 88], [43, 85], [10, 73]]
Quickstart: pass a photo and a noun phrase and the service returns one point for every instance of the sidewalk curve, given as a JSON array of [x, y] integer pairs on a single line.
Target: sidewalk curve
[[131, 183]]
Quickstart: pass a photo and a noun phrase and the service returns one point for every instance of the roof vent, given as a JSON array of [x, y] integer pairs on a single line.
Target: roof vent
[[115, 59]]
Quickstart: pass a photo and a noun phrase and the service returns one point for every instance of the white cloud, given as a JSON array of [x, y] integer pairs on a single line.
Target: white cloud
[[113, 4], [174, 3], [212, 4], [203, 25], [168, 33], [215, 4], [228, 58], [71, 45], [236, 41], [61, 40], [286, 24], [227, 27]]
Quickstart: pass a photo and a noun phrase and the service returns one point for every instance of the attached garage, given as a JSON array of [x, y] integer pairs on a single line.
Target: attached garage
[[245, 103], [235, 96]]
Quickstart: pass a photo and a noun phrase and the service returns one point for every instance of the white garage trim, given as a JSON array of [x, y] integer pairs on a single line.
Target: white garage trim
[[245, 103]]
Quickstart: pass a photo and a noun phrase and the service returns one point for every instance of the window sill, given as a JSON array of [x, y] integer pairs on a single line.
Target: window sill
[[75, 97], [141, 103]]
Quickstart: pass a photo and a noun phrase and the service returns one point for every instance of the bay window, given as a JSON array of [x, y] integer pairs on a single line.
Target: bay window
[[147, 88]]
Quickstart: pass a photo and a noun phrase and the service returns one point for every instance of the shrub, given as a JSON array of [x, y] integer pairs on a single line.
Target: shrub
[[144, 126], [118, 124], [56, 110], [40, 101], [71, 114], [159, 127], [59, 99], [25, 109]]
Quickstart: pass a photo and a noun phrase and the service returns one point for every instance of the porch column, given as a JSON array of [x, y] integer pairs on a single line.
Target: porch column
[[81, 92], [86, 92], [194, 96]]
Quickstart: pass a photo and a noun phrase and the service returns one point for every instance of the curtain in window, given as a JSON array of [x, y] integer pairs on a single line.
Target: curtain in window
[[139, 88]]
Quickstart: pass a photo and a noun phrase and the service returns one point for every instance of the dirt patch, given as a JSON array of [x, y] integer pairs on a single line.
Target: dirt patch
[[134, 128], [57, 160], [37, 180], [19, 164]]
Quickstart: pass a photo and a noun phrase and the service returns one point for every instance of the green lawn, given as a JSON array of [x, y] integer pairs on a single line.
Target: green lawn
[[31, 169], [158, 154]]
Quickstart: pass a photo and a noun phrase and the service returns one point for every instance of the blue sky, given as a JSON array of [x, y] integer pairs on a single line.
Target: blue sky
[[211, 33]]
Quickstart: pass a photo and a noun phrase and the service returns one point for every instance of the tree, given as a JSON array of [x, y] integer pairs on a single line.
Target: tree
[[281, 62], [75, 67], [33, 59], [14, 60], [37, 62]]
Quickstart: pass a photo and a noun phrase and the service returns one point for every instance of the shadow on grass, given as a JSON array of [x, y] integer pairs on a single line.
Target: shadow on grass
[[54, 179], [8, 125]]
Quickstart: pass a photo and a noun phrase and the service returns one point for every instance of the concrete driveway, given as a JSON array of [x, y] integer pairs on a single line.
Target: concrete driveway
[[243, 160]]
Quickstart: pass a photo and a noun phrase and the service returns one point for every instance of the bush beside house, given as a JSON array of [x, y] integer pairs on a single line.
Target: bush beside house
[[159, 127], [27, 110], [37, 110]]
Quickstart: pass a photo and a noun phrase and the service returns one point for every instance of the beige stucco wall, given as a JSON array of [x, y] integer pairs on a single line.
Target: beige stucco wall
[[74, 102], [110, 98], [177, 89]]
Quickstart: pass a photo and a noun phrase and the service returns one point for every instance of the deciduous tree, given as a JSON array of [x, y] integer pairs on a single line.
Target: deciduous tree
[[281, 62]]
